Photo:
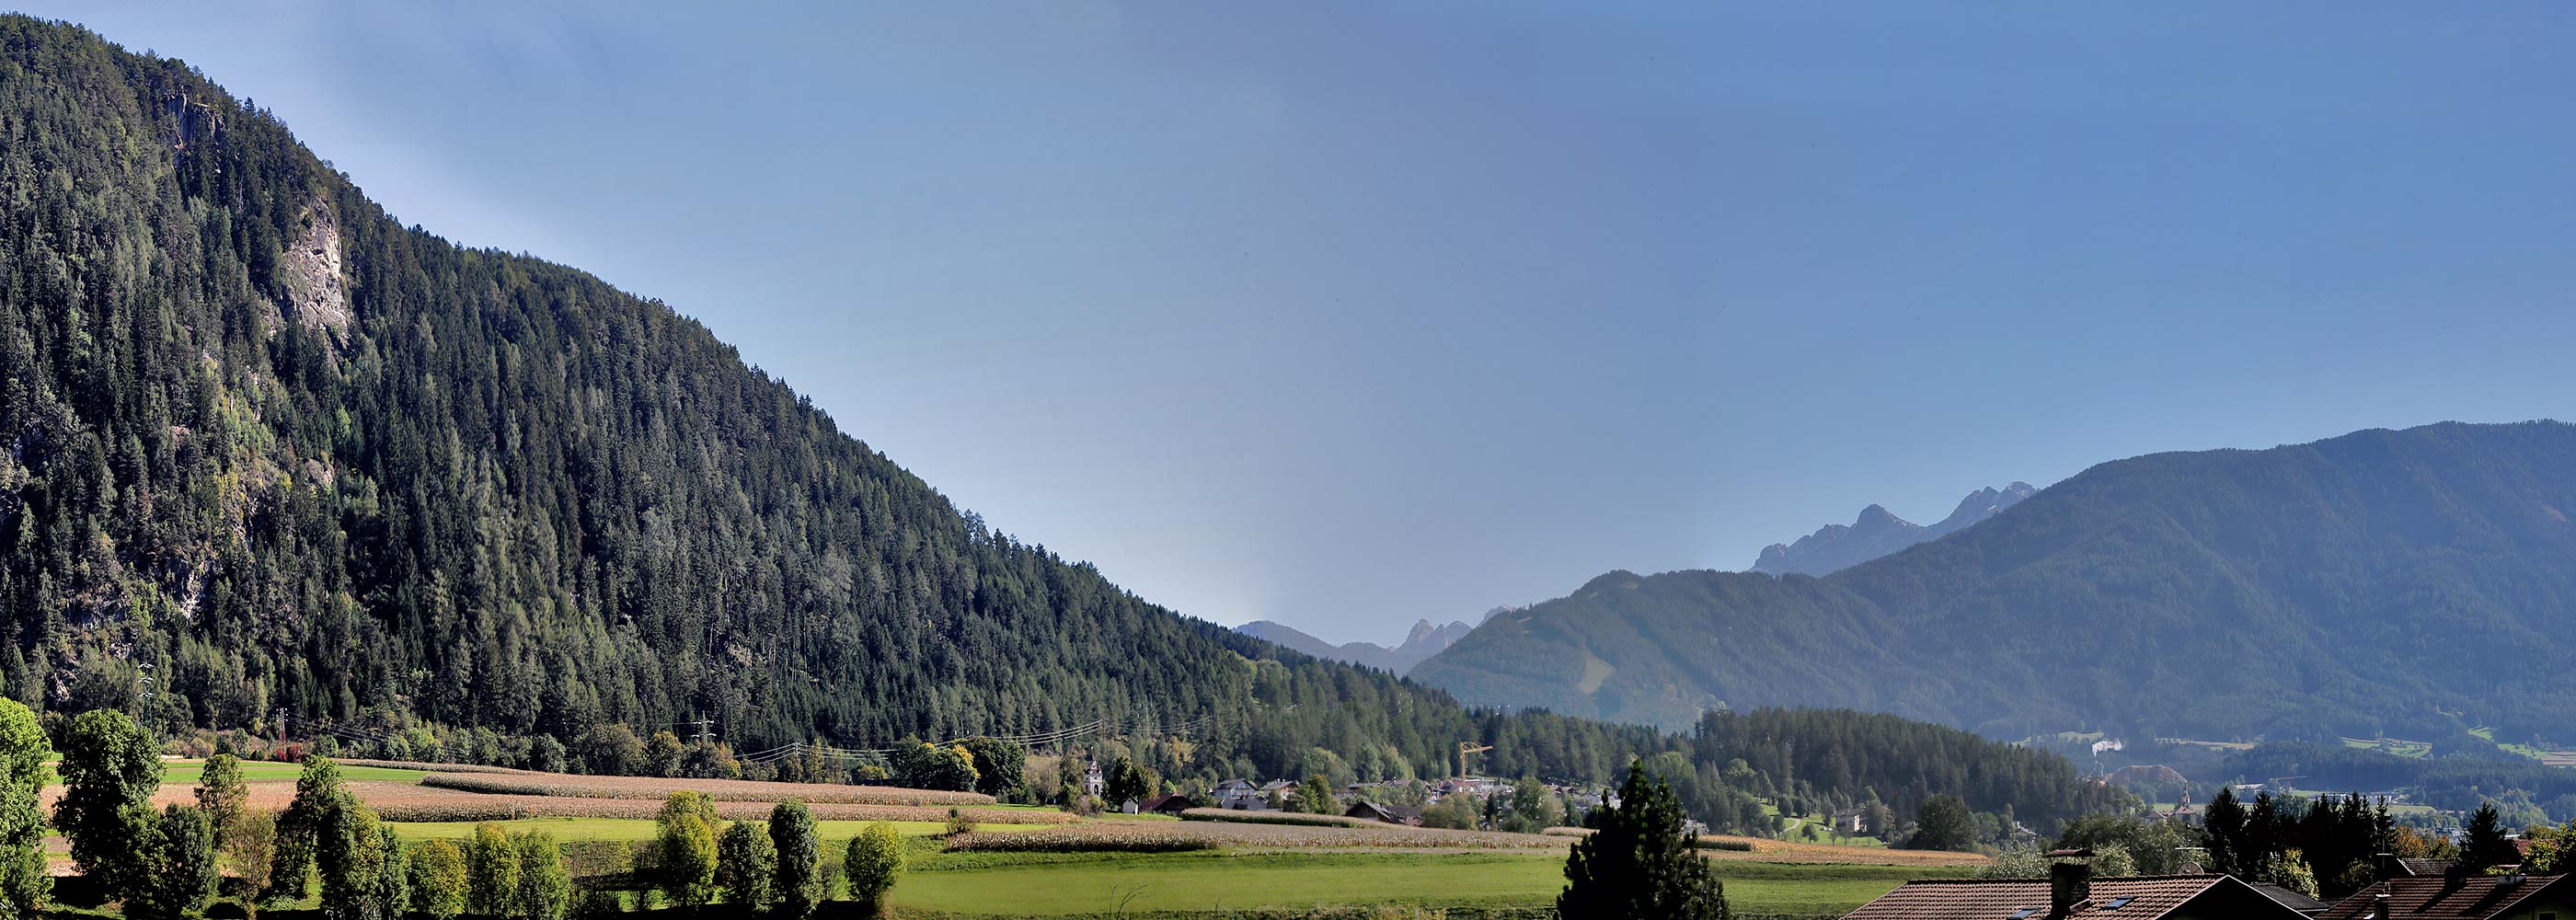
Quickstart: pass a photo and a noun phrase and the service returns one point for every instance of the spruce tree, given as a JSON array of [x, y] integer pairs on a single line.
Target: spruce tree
[[2486, 847], [1643, 864]]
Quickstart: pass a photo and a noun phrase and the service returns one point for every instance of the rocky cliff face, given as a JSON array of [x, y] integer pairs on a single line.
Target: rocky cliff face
[[1877, 533]]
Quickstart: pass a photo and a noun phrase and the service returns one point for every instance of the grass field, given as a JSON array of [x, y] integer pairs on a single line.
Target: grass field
[[1033, 884], [187, 772], [1247, 866]]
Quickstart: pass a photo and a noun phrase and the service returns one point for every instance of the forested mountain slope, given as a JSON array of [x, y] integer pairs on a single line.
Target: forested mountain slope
[[270, 452], [2379, 582], [275, 451]]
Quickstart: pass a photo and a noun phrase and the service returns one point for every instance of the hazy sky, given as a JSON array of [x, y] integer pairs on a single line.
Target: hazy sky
[[1349, 314]]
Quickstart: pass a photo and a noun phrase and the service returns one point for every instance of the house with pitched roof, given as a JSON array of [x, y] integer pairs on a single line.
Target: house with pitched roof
[[2462, 897], [2071, 892]]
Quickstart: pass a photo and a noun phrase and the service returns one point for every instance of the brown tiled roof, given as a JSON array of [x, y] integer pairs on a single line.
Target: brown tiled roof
[[1997, 899], [2472, 897]]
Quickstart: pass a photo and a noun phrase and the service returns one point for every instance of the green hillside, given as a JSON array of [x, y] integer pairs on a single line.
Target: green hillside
[[2374, 584], [276, 451]]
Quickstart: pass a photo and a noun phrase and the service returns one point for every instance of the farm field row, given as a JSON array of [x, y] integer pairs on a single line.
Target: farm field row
[[1102, 884], [833, 833]]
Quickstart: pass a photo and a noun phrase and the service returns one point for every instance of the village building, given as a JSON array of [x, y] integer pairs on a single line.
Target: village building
[[2070, 893], [2461, 897], [1391, 814], [1236, 794]]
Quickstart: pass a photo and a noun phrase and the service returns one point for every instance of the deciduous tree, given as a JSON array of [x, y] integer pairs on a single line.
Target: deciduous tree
[[25, 885], [110, 769], [872, 863], [800, 859], [747, 865]]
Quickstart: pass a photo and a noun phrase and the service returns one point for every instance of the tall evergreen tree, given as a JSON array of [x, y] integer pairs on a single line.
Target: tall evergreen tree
[[2486, 846], [2230, 852], [1642, 864]]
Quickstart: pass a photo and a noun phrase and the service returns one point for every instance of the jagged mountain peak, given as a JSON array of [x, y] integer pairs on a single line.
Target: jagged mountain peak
[[1877, 532], [1422, 641]]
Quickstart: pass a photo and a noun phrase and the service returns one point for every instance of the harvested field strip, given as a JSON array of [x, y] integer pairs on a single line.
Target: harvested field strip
[[403, 802], [1763, 849], [1103, 836], [636, 830], [722, 790], [434, 767], [1275, 817], [1073, 840]]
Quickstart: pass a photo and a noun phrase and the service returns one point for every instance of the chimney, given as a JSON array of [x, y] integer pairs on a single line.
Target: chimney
[[2070, 884], [2379, 907]]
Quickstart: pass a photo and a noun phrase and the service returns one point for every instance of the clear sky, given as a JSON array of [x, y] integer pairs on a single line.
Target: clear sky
[[1346, 314]]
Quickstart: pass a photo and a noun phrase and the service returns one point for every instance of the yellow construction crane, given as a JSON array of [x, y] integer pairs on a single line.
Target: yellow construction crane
[[1469, 747]]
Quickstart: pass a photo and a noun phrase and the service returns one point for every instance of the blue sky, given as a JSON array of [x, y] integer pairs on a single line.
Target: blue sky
[[1350, 314]]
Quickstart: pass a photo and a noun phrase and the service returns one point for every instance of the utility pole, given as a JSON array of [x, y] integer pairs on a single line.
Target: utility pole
[[706, 730]]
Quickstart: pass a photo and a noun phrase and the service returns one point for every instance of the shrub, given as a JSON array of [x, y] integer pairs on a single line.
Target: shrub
[[958, 823], [871, 865], [747, 865], [437, 880]]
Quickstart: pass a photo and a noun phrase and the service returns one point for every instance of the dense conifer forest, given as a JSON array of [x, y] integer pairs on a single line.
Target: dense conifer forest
[[277, 461]]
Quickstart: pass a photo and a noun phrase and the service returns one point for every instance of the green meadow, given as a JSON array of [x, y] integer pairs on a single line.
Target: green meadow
[[1057, 884]]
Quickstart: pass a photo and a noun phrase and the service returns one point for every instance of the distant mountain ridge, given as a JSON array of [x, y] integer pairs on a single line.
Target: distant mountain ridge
[[1422, 642], [2410, 583], [1877, 533]]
